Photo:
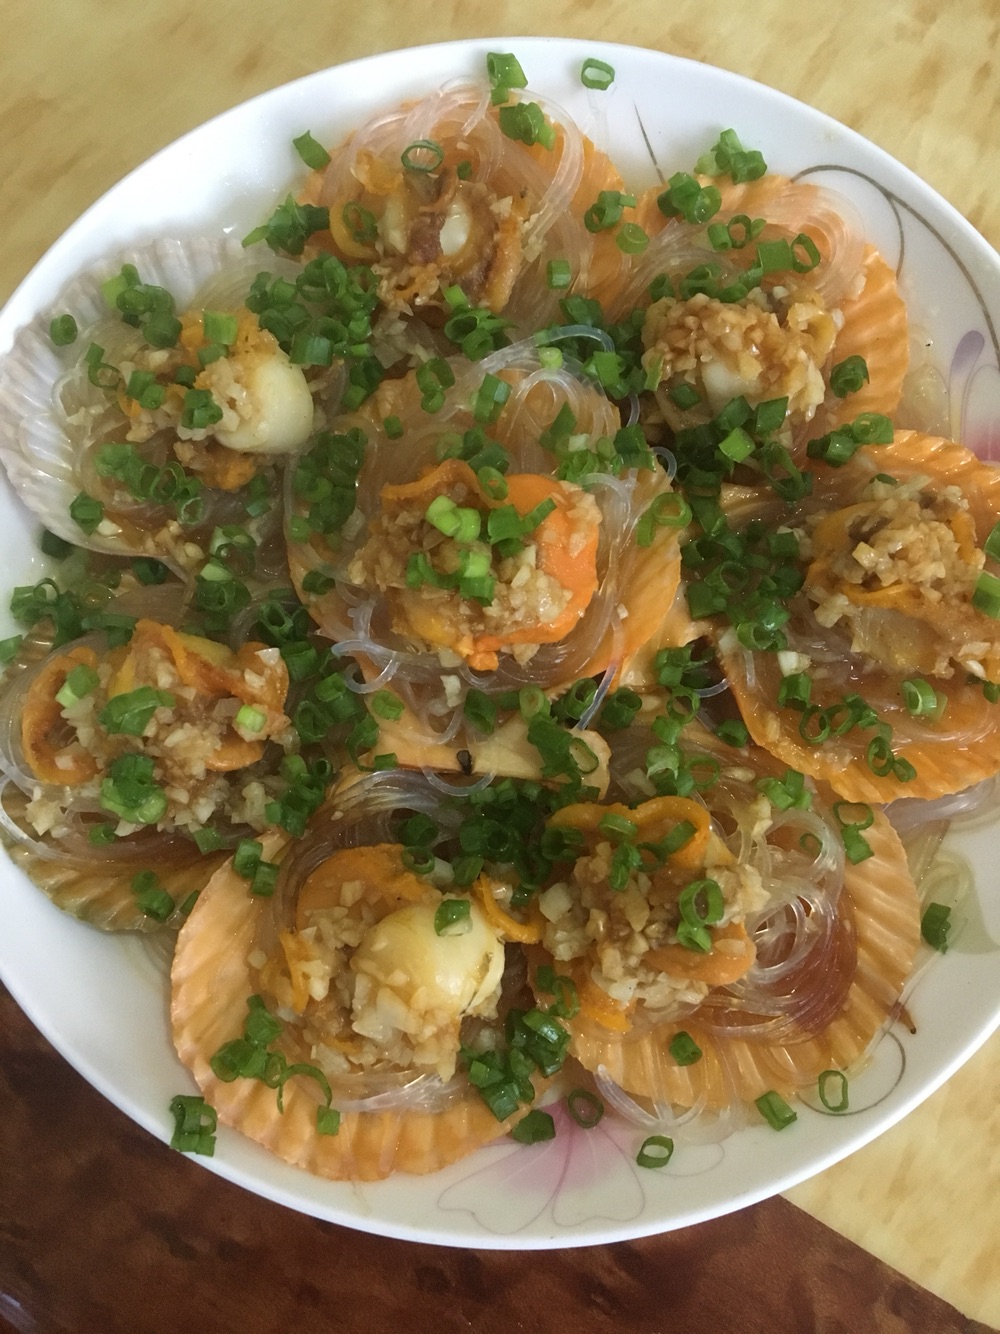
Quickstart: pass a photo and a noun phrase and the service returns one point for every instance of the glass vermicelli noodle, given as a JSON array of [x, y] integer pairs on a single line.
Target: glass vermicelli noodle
[[498, 642]]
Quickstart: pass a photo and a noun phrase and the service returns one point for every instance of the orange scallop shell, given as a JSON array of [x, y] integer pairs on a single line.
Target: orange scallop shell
[[882, 928], [211, 981], [941, 766]]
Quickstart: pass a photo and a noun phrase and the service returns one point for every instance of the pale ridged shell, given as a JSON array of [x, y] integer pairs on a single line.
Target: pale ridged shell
[[36, 446]]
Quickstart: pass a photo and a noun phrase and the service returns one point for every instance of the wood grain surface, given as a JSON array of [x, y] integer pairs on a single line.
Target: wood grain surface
[[103, 1230]]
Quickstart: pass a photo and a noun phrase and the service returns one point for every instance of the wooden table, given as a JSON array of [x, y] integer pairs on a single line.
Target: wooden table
[[106, 1230]]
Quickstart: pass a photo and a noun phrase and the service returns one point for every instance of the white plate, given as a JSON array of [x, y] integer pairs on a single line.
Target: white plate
[[102, 1000]]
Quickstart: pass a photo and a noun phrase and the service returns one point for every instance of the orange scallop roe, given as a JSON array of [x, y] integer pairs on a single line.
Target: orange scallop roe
[[558, 566]]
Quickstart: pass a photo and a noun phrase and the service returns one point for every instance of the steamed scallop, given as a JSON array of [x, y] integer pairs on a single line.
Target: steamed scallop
[[379, 976], [438, 196], [780, 334], [152, 735], [896, 578], [145, 433], [754, 935], [532, 552]]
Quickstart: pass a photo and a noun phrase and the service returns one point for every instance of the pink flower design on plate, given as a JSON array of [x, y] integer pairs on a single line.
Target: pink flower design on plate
[[580, 1175]]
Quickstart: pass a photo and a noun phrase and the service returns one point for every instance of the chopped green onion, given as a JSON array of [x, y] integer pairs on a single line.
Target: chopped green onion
[[631, 239], [848, 376], [200, 410], [386, 704], [128, 714], [733, 732], [250, 719], [207, 840], [422, 155], [856, 846], [921, 699], [684, 396], [480, 710], [9, 648], [453, 917], [737, 445], [526, 123], [585, 1108], [985, 595], [684, 1049], [129, 791], [393, 427], [248, 855], [63, 331], [150, 896], [52, 545], [195, 1124], [775, 1111], [655, 1151], [419, 860], [264, 879], [669, 510], [78, 684], [795, 690], [787, 793], [312, 153], [327, 1121], [558, 274], [619, 709], [459, 522], [504, 71], [86, 512], [534, 1128], [935, 926], [685, 197], [837, 1102], [492, 394], [597, 74], [617, 826], [220, 327], [433, 378], [729, 156], [606, 211]]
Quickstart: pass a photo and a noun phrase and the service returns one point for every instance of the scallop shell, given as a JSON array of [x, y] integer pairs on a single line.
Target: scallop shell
[[99, 891], [211, 981], [36, 446], [881, 927], [949, 757]]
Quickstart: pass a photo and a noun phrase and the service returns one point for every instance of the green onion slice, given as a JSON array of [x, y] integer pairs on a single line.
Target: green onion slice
[[684, 1049], [655, 1151], [195, 1124], [775, 1111], [63, 331], [921, 699], [848, 376], [312, 153], [422, 155], [837, 1101], [597, 74], [534, 1128], [585, 1108], [453, 917], [935, 926]]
